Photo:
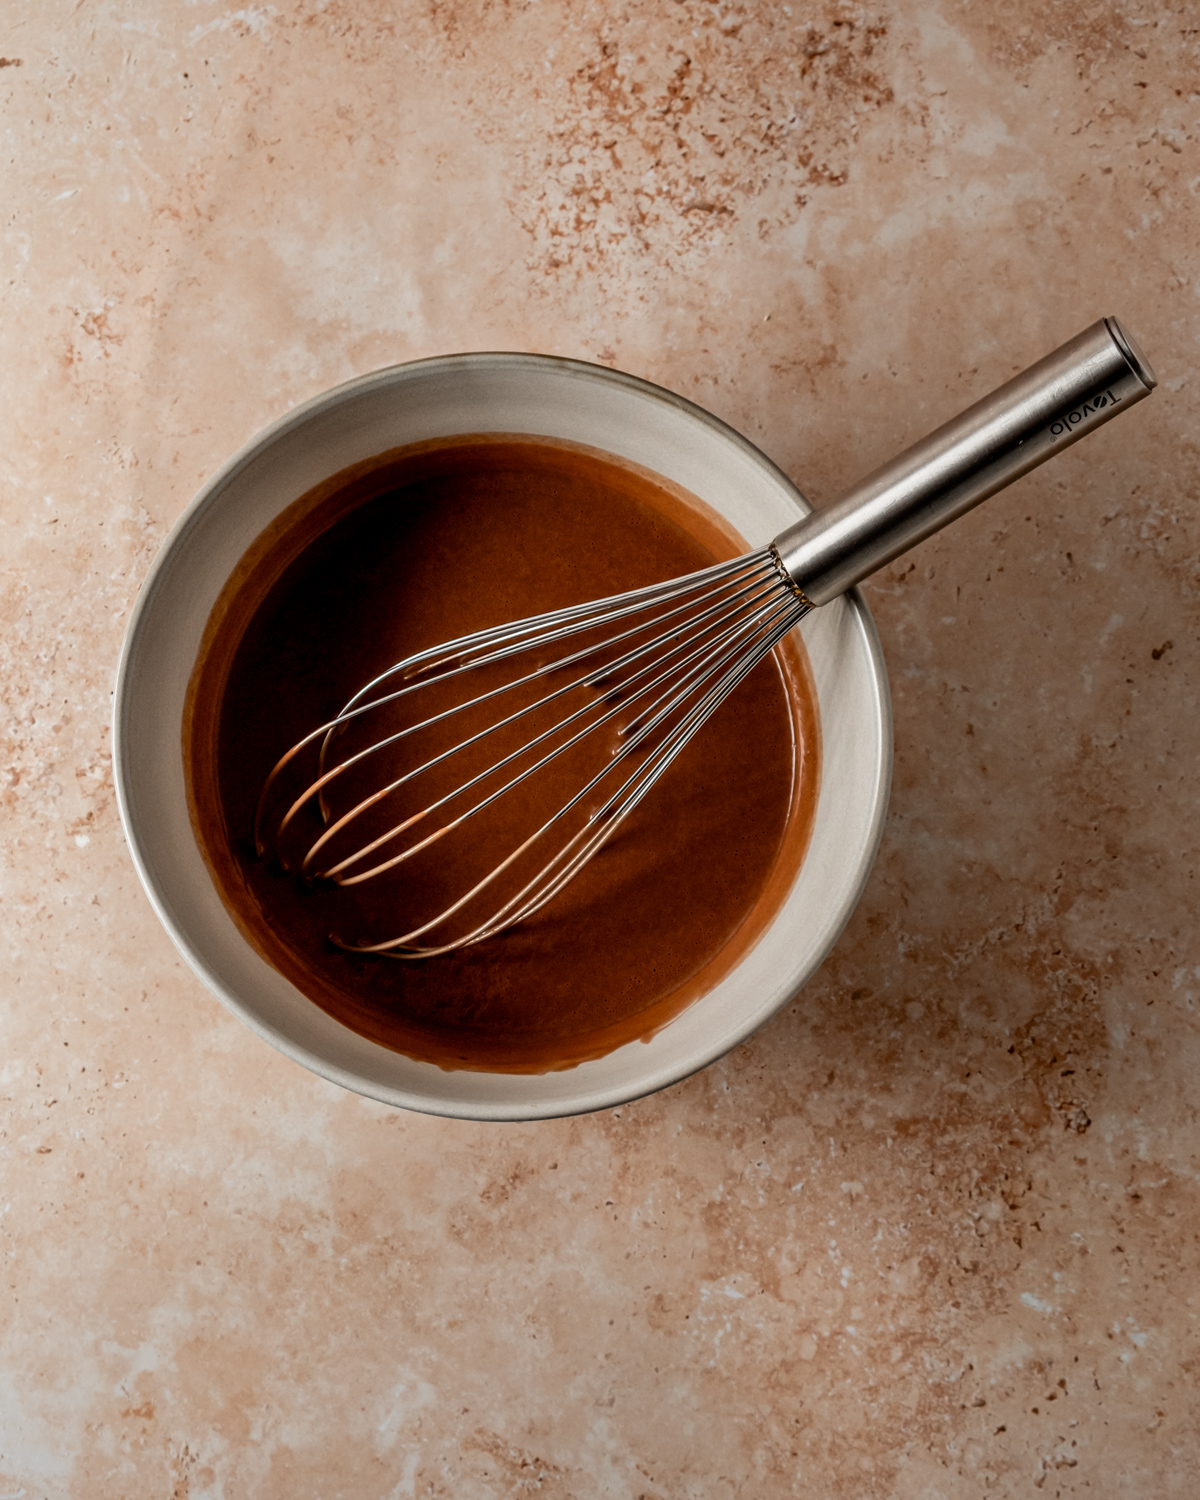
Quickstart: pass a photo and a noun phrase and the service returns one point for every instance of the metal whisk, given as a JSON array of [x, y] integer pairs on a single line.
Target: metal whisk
[[599, 699]]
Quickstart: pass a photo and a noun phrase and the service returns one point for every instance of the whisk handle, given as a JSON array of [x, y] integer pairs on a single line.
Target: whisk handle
[[1054, 403]]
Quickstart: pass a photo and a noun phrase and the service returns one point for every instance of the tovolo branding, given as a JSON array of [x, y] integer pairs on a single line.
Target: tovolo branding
[[1073, 418]]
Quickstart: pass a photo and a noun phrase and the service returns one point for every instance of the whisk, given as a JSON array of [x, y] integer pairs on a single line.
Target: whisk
[[595, 701]]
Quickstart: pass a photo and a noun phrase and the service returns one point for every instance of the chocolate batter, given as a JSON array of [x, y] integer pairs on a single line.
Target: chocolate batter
[[425, 544]]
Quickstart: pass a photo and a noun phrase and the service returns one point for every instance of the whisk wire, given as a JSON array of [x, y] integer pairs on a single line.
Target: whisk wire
[[563, 866], [609, 818], [681, 647], [705, 657], [532, 634], [326, 777], [701, 587]]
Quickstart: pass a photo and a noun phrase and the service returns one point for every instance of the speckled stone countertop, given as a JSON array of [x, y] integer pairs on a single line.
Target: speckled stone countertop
[[935, 1231]]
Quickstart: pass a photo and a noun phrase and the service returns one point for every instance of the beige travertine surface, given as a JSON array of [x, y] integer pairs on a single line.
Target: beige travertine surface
[[935, 1232]]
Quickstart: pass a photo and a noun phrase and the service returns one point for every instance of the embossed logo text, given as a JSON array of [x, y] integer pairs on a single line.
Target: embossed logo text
[[1073, 418]]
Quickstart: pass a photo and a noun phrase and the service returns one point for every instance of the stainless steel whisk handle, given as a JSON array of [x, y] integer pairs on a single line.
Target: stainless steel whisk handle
[[1054, 403]]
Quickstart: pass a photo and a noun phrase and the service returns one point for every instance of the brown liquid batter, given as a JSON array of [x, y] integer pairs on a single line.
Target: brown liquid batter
[[423, 545]]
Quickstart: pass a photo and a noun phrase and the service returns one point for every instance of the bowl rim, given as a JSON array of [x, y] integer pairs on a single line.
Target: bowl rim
[[156, 578]]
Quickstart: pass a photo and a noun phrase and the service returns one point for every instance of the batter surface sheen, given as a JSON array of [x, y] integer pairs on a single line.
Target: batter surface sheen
[[416, 547]]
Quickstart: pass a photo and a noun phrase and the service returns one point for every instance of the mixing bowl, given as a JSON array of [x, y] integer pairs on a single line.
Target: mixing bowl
[[622, 416]]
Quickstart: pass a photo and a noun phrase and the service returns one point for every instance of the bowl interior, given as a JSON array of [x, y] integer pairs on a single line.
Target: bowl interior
[[502, 393]]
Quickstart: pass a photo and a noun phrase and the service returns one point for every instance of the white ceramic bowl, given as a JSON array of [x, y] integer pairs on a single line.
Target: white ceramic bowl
[[513, 393]]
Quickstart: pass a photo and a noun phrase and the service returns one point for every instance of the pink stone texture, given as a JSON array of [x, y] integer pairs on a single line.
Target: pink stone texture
[[934, 1233]]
